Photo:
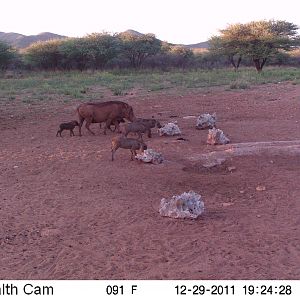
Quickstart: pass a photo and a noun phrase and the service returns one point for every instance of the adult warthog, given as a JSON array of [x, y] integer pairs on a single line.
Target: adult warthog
[[109, 112]]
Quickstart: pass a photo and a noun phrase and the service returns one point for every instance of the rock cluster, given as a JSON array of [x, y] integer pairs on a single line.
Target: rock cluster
[[169, 129], [187, 205], [206, 121], [217, 137], [150, 156]]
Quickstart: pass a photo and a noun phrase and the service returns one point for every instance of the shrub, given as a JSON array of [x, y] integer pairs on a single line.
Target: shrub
[[7, 54]]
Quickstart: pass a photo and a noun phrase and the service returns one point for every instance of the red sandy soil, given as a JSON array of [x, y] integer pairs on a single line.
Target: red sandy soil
[[68, 212]]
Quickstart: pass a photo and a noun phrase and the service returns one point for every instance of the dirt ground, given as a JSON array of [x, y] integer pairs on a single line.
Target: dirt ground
[[68, 212]]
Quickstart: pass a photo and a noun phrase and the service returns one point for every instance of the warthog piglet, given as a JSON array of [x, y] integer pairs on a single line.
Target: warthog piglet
[[126, 143], [67, 126], [141, 126]]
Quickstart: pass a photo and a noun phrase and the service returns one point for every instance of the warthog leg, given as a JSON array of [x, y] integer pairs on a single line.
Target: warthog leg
[[87, 126], [112, 154], [133, 153], [81, 119], [149, 133], [117, 126], [140, 136], [107, 125], [113, 150], [59, 133]]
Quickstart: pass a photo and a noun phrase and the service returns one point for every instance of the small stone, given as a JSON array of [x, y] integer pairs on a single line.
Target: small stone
[[230, 169], [50, 232], [226, 204], [15, 167], [189, 117], [258, 216], [260, 188]]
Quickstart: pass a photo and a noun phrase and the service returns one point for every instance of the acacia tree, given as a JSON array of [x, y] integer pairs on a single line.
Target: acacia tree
[[75, 54], [102, 47], [137, 47], [228, 45], [257, 40]]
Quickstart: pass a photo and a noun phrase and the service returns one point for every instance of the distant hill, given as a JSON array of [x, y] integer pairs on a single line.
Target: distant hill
[[22, 41], [202, 45], [132, 32]]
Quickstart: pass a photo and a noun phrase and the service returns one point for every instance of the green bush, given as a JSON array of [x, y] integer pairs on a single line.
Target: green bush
[[44, 55], [7, 55]]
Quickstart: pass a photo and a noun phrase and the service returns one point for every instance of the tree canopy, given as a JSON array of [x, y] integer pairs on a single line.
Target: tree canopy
[[44, 55], [258, 40], [138, 47], [6, 55]]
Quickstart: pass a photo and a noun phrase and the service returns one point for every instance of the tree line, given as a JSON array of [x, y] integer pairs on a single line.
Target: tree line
[[253, 43]]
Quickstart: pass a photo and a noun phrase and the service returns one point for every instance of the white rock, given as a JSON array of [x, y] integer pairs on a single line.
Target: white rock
[[217, 137], [260, 188], [187, 205], [169, 129], [231, 169], [206, 121], [150, 156]]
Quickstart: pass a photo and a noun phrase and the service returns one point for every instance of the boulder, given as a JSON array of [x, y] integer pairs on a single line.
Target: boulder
[[169, 129], [187, 205], [150, 156], [206, 121], [217, 137]]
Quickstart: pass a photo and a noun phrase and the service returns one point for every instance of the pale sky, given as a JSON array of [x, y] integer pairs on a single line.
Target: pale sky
[[177, 21]]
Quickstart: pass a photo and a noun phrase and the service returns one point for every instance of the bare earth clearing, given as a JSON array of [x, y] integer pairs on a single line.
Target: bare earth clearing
[[68, 212]]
